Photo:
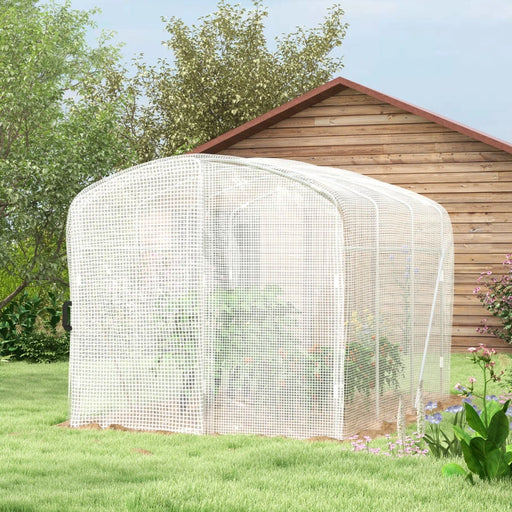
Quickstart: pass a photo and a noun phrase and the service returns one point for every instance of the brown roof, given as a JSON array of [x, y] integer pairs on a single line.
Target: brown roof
[[324, 91]]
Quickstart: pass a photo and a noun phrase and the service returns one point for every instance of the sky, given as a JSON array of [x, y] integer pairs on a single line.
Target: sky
[[451, 57]]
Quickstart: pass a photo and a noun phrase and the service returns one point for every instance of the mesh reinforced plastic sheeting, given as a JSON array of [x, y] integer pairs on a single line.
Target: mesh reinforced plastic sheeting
[[217, 294]]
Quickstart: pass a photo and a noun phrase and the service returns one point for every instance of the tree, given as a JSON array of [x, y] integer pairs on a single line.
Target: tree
[[224, 74], [60, 109]]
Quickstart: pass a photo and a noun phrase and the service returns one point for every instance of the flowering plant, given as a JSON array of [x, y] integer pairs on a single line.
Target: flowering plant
[[409, 446], [495, 294], [315, 365], [442, 441], [360, 365], [484, 449], [361, 358]]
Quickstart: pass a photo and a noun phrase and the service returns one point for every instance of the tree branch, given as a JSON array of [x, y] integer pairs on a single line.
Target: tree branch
[[13, 295]]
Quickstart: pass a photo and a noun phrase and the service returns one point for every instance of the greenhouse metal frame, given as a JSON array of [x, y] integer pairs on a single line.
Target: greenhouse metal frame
[[217, 294]]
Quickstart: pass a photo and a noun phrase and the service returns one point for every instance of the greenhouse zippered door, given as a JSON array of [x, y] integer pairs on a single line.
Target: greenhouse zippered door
[[272, 274]]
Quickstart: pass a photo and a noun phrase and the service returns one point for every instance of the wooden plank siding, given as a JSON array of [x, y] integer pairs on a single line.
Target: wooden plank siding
[[471, 179]]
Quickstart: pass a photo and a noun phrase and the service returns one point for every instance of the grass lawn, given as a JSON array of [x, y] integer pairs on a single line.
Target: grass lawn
[[45, 468]]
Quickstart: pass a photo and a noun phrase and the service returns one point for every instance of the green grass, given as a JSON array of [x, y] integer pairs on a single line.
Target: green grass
[[461, 368], [45, 468]]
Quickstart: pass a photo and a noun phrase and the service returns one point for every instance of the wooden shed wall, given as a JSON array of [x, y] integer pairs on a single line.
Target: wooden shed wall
[[472, 180]]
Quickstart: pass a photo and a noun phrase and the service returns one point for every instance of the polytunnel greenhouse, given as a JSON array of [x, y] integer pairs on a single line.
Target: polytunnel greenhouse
[[215, 294]]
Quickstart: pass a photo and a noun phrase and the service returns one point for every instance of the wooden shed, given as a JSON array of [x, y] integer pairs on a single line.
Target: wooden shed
[[344, 124]]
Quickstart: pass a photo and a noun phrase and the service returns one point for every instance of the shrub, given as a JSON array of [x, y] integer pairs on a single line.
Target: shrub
[[484, 447], [29, 329], [41, 347], [18, 318], [495, 294]]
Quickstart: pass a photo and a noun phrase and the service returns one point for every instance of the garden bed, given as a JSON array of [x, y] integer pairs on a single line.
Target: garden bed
[[356, 426]]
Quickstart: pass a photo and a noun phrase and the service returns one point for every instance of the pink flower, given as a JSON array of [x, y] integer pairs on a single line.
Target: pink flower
[[472, 349], [472, 380]]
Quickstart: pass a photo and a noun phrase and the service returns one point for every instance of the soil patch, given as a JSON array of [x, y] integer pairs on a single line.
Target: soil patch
[[378, 429]]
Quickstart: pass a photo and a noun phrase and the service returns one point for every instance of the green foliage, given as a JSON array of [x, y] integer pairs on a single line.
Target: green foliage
[[441, 438], [484, 448], [16, 319], [249, 320], [28, 329], [245, 323], [452, 469], [361, 362], [485, 451], [223, 74], [59, 131], [42, 347]]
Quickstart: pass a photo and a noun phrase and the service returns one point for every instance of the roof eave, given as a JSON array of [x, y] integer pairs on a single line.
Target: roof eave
[[324, 91], [271, 117]]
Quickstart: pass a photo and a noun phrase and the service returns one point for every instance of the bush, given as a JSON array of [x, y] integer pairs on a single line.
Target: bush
[[41, 347], [495, 294], [29, 329], [484, 444]]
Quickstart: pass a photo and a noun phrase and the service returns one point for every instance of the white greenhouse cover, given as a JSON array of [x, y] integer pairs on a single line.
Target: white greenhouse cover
[[216, 294]]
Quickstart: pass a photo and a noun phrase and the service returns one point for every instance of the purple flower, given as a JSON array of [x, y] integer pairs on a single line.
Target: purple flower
[[434, 419], [454, 409], [431, 406], [492, 397], [467, 400]]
